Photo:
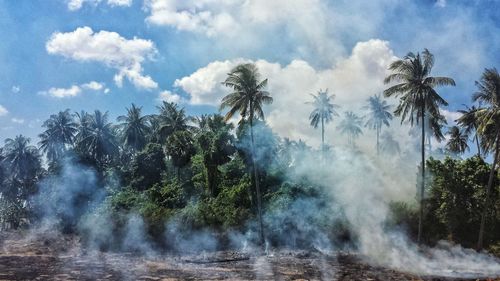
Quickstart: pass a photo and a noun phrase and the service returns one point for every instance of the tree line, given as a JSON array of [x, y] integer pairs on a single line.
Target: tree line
[[164, 160]]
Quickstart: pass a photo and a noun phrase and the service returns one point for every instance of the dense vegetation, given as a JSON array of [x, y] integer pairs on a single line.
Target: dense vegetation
[[187, 174]]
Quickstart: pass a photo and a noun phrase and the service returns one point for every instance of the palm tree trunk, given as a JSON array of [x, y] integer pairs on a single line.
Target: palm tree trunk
[[478, 146], [322, 133], [488, 193], [422, 184], [257, 184], [378, 134]]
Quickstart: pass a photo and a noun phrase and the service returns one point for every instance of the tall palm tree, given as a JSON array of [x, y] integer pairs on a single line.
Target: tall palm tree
[[488, 94], [351, 126], [134, 128], [418, 98], [171, 119], [58, 136], [247, 99], [180, 147], [458, 141], [468, 121], [323, 112], [22, 158], [378, 115]]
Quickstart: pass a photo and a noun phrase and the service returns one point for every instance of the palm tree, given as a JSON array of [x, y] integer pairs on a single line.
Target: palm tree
[[216, 144], [58, 136], [95, 137], [323, 111], [171, 119], [458, 141], [351, 126], [418, 98], [180, 147], [468, 121], [22, 158], [134, 128], [247, 99], [488, 94], [378, 115]]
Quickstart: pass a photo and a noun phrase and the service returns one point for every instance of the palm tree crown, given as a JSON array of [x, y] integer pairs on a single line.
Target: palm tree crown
[[378, 115], [351, 126], [458, 141], [134, 128]]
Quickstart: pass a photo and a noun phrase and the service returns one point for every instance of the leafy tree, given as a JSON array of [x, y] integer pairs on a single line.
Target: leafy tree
[[59, 134], [216, 144], [247, 99], [351, 126], [134, 128], [468, 121], [418, 98], [488, 94], [147, 167], [378, 115], [180, 147], [458, 141], [389, 144], [323, 112]]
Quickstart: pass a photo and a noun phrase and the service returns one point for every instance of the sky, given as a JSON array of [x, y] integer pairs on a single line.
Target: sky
[[107, 54]]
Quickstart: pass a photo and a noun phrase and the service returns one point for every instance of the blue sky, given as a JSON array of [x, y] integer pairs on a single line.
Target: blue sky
[[180, 50]]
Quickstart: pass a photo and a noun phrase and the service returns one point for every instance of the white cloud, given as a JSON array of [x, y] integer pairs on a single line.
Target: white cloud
[[108, 48], [170, 97], [15, 89], [310, 26], [74, 5], [3, 111], [107, 90], [441, 3], [93, 85], [75, 90], [450, 116], [17, 120], [72, 91], [352, 80]]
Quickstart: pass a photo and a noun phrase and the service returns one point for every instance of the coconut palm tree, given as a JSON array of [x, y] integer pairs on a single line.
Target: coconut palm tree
[[488, 95], [95, 137], [180, 147], [323, 112], [215, 141], [351, 126], [134, 128], [378, 115], [247, 99], [468, 121], [458, 141], [418, 98], [171, 119], [58, 136], [21, 158]]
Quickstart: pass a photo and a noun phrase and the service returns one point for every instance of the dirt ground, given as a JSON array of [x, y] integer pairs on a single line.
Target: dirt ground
[[62, 258]]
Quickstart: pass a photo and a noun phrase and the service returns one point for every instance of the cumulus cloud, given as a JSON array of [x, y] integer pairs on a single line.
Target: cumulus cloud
[[3, 111], [108, 48], [74, 90], [168, 96], [450, 116], [308, 26], [74, 5], [15, 89], [352, 80]]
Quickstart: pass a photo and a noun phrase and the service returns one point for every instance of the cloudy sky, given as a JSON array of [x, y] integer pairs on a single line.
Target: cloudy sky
[[107, 54]]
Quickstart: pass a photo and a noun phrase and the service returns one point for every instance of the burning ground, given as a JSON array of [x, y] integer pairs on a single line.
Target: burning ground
[[53, 256]]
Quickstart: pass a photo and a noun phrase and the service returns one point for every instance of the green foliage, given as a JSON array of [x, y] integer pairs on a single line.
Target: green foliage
[[147, 167]]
